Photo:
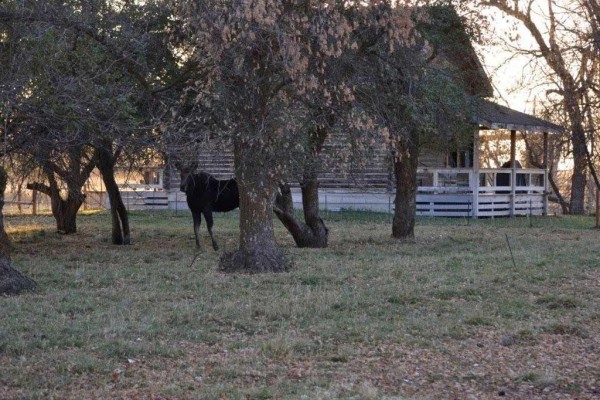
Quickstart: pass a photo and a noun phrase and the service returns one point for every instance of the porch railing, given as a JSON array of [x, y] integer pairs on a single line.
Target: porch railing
[[489, 180], [487, 192], [527, 180]]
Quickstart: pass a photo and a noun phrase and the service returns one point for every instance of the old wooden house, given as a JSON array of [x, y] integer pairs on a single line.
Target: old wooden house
[[458, 183]]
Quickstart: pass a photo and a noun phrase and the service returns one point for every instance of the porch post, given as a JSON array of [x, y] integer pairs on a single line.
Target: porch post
[[545, 165], [475, 175], [513, 175]]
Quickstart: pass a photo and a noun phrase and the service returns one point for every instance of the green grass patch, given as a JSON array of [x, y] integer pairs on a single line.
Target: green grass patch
[[364, 306]]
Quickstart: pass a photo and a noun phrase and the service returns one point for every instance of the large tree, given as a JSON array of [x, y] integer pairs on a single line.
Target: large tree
[[338, 136], [312, 232], [52, 103], [561, 50], [270, 68], [263, 56], [321, 118], [44, 120], [418, 100], [94, 72]]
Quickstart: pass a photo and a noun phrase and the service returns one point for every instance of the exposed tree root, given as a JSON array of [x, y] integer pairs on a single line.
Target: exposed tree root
[[254, 261]]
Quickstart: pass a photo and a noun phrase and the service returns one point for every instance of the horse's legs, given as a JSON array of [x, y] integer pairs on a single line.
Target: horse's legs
[[197, 216], [209, 223]]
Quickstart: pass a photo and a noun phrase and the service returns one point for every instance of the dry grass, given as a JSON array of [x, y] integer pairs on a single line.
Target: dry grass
[[448, 316]]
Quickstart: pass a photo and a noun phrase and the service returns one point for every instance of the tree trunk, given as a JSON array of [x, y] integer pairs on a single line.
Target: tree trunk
[[560, 199], [258, 251], [63, 210], [405, 169], [571, 91], [578, 180], [536, 163], [118, 211], [11, 281], [313, 233], [66, 215]]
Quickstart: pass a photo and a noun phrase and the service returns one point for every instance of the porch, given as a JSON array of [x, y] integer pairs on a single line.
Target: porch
[[490, 192], [479, 191]]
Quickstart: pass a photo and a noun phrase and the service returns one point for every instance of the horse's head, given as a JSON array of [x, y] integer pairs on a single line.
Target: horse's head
[[186, 170], [187, 181], [191, 181]]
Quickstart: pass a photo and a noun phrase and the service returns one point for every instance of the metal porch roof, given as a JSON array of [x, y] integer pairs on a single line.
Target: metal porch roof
[[490, 115]]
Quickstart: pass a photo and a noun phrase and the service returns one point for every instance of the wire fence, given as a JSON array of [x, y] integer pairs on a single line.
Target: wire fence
[[32, 202], [381, 204]]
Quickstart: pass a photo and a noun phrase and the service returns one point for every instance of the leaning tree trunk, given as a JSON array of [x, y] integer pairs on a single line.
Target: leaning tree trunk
[[312, 233], [11, 280], [405, 168], [258, 251], [118, 211]]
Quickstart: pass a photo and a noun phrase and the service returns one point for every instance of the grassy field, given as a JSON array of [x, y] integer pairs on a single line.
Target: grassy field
[[447, 316]]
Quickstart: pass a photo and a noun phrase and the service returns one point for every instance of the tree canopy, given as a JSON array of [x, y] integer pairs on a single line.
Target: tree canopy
[[562, 56], [271, 79]]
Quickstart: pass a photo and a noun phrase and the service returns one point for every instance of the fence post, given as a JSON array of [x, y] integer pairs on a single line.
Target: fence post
[[530, 213], [474, 183], [470, 213]]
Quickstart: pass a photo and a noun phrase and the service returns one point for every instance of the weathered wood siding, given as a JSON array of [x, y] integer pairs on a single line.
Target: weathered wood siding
[[376, 173]]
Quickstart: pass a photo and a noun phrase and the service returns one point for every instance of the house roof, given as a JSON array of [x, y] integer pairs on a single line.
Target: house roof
[[445, 31], [490, 115], [474, 76], [450, 43]]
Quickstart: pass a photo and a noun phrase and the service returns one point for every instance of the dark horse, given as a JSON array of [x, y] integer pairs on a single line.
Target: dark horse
[[206, 194]]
